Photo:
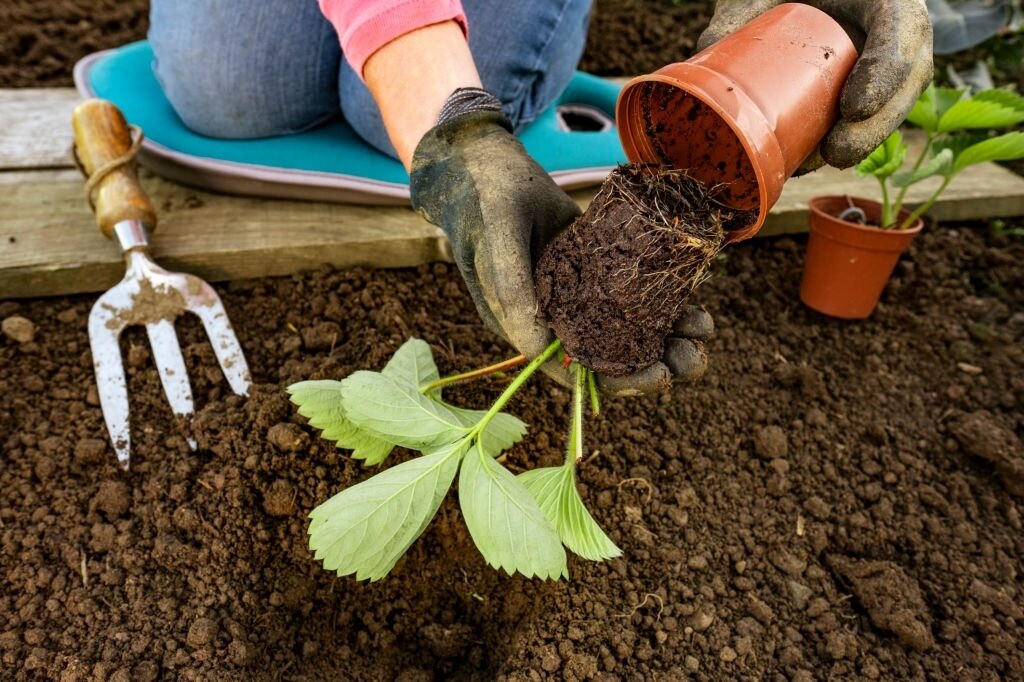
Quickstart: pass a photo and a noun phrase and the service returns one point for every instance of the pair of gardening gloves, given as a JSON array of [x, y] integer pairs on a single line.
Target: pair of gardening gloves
[[473, 178]]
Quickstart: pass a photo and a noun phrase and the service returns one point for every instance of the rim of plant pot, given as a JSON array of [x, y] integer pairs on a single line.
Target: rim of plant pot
[[825, 220], [743, 114]]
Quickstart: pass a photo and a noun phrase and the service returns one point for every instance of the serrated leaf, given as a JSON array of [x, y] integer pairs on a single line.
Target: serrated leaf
[[365, 529], [320, 402], [931, 105], [412, 362], [987, 109], [507, 525], [555, 490], [940, 164], [501, 433], [1005, 147], [886, 159], [395, 410]]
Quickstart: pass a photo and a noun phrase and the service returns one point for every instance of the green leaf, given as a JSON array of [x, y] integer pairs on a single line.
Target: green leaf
[[501, 433], [931, 105], [506, 524], [320, 402], [993, 108], [412, 362], [1005, 147], [395, 410], [365, 529], [887, 158], [555, 490], [940, 164]]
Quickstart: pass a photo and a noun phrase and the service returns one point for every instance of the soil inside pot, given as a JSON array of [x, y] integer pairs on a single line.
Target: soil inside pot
[[613, 283]]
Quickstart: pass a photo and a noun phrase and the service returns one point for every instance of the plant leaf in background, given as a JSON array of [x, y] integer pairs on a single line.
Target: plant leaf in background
[[507, 525], [365, 529], [1006, 147], [554, 488], [886, 159], [320, 402], [931, 105], [994, 108], [940, 164]]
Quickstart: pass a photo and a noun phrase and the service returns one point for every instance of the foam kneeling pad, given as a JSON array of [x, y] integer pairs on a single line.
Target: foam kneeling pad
[[575, 141]]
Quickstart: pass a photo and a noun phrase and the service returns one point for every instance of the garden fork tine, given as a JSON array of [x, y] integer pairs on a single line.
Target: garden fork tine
[[148, 295]]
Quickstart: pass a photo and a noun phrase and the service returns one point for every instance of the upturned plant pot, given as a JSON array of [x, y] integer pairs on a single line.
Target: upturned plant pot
[[743, 114], [848, 265]]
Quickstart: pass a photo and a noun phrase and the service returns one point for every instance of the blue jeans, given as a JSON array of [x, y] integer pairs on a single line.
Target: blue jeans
[[259, 68]]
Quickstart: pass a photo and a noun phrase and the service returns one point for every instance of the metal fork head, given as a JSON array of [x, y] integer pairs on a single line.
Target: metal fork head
[[153, 297]]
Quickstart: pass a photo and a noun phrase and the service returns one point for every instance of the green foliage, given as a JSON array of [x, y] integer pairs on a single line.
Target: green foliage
[[365, 529], [886, 159], [507, 525], [554, 488], [959, 127]]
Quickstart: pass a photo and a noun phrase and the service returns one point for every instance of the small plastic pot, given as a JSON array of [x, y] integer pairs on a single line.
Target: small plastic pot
[[745, 112], [848, 265]]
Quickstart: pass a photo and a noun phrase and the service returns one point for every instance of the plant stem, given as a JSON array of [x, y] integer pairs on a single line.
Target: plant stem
[[923, 208], [574, 451], [474, 374], [886, 208], [898, 204], [511, 389], [595, 398]]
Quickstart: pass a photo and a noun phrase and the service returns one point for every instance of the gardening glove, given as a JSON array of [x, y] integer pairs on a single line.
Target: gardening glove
[[472, 178], [894, 38]]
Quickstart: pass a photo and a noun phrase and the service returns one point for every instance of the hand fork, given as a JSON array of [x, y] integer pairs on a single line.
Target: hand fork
[[148, 295]]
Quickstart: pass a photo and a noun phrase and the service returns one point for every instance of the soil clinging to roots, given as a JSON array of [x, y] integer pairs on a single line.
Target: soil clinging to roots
[[612, 284]]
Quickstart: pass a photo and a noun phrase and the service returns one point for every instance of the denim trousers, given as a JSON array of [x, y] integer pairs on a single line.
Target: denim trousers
[[260, 68]]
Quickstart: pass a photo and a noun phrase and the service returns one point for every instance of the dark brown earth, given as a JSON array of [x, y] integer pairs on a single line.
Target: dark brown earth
[[41, 41], [832, 501], [612, 284]]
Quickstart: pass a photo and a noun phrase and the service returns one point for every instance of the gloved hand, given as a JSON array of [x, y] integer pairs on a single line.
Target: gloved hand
[[472, 178], [894, 38]]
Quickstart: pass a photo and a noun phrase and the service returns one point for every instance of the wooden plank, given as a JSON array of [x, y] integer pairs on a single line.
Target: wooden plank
[[35, 127], [50, 245], [982, 191]]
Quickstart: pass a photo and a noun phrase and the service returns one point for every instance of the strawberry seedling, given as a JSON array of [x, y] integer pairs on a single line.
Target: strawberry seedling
[[519, 523]]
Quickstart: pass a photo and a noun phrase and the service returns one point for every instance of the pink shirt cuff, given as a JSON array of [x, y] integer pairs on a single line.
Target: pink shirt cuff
[[365, 26]]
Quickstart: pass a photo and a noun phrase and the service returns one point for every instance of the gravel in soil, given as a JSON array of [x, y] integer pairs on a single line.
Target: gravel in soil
[[833, 500]]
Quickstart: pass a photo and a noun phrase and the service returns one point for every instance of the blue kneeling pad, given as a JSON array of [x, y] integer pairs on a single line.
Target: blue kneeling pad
[[332, 163]]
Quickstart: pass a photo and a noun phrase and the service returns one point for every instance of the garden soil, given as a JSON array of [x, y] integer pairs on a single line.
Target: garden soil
[[833, 501]]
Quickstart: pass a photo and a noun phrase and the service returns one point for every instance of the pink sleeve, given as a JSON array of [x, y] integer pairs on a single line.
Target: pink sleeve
[[365, 26]]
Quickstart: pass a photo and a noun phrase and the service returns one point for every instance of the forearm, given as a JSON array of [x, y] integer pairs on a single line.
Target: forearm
[[412, 76]]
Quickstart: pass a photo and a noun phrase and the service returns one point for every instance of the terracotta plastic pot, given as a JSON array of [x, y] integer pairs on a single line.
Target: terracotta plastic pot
[[848, 265], [745, 112]]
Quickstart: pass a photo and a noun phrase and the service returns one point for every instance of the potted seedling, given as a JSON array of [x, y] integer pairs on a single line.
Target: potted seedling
[[854, 243]]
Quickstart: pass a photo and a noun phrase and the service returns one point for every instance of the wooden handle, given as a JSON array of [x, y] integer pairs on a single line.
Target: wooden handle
[[102, 135]]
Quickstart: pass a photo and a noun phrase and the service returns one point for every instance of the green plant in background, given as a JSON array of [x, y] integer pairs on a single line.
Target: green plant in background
[[519, 523], [960, 130]]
